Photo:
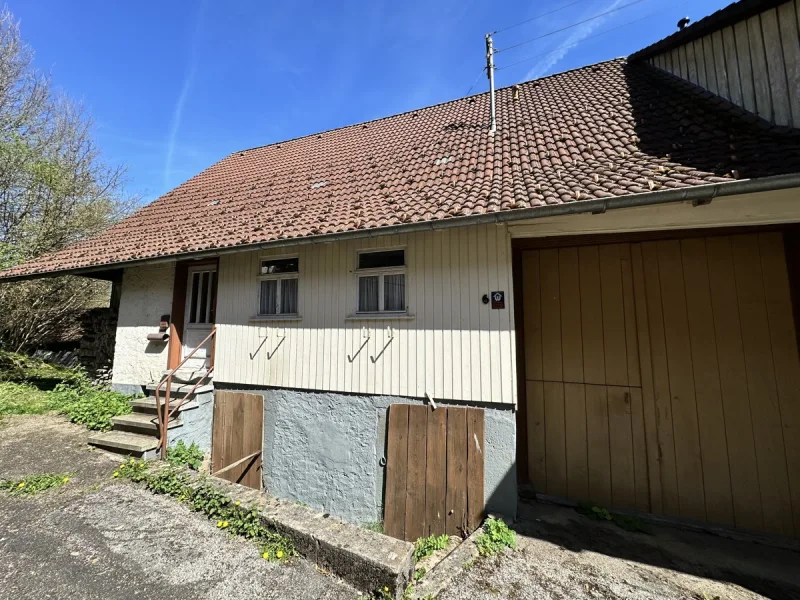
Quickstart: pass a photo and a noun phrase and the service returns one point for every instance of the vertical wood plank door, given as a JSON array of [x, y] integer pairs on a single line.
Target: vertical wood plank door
[[434, 471], [667, 378], [237, 438]]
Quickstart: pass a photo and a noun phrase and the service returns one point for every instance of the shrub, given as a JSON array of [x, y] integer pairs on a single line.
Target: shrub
[[33, 484], [496, 536], [181, 455], [135, 470], [22, 399], [89, 406], [424, 547]]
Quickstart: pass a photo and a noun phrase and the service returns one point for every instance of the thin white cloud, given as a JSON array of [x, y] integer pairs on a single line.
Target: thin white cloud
[[579, 34], [177, 112]]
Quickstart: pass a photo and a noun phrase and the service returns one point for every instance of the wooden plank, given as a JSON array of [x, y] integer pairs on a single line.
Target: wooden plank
[[639, 440], [710, 413], [720, 67], [456, 503], [758, 61], [745, 66], [537, 470], [711, 69], [629, 309], [732, 65], [700, 60], [650, 431], [598, 445], [667, 473], [436, 472], [761, 383], [394, 518], [733, 383], [254, 422], [594, 367], [681, 382], [788, 21], [555, 434], [576, 441], [782, 112], [475, 467], [691, 62], [551, 316], [783, 336], [532, 312], [620, 437], [415, 524], [616, 356], [569, 292]]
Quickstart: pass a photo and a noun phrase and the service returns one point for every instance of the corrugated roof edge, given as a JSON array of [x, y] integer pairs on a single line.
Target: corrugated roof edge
[[702, 194], [733, 13]]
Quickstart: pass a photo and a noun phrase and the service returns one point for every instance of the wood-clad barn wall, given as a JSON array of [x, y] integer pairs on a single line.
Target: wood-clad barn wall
[[664, 376], [755, 63], [452, 347]]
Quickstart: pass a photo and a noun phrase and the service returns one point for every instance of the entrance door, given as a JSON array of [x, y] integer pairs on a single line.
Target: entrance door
[[201, 303]]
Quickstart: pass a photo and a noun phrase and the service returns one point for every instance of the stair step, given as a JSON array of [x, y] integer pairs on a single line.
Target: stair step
[[142, 422], [124, 442], [148, 405], [186, 375], [177, 389]]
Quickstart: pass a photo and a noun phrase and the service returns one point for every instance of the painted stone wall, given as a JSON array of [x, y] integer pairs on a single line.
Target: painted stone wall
[[196, 423], [146, 295], [324, 449]]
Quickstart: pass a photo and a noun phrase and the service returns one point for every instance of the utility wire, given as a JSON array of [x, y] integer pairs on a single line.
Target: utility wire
[[483, 70], [651, 15], [538, 16], [603, 14]]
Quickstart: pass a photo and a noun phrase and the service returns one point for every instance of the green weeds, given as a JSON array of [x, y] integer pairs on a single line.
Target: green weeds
[[496, 536], [33, 484], [182, 455], [424, 547]]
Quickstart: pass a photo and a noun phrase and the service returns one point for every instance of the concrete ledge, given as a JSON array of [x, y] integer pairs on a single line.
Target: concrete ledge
[[447, 569], [365, 559]]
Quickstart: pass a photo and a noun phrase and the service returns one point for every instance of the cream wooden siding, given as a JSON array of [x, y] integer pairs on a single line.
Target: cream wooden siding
[[755, 63], [455, 347]]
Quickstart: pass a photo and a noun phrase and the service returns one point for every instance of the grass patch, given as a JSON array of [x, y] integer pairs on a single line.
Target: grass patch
[[22, 399], [33, 484], [496, 536], [426, 546], [203, 497], [377, 527], [598, 513], [181, 455], [20, 368]]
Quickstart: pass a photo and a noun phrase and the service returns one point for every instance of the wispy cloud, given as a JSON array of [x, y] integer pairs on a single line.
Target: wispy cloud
[[579, 34], [177, 112]]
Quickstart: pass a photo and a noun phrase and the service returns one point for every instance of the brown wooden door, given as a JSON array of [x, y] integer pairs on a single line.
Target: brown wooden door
[[434, 471], [237, 438], [664, 376]]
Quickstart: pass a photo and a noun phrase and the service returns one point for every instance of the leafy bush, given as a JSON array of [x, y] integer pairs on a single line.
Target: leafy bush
[[424, 547], [181, 455], [33, 484], [496, 536], [89, 406], [135, 470]]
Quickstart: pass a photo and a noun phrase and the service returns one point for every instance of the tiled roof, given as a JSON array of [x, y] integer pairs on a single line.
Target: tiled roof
[[611, 129]]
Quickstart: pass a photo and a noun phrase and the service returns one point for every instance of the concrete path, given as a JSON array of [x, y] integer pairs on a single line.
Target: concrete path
[[564, 555], [95, 538]]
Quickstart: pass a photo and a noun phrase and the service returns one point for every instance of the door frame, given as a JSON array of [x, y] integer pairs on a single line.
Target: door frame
[[179, 298]]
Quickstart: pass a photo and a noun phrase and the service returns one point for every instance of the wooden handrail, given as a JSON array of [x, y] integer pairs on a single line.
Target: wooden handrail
[[163, 418]]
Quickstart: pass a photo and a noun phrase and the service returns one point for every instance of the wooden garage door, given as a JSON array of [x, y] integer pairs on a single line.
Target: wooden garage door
[[664, 376]]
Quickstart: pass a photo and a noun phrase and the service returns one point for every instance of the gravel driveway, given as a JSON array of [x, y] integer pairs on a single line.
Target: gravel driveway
[[97, 538]]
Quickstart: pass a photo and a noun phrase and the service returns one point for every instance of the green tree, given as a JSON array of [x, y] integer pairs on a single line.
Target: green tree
[[54, 190]]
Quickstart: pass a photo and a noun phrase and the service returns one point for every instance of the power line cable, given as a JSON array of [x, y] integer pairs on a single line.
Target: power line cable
[[651, 15], [483, 70], [603, 14], [538, 16]]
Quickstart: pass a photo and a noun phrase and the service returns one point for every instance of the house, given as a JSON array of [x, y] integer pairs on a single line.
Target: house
[[610, 283]]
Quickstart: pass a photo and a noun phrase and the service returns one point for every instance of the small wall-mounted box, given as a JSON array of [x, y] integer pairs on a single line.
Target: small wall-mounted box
[[163, 331]]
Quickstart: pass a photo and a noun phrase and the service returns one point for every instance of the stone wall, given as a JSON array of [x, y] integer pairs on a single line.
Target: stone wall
[[96, 350]]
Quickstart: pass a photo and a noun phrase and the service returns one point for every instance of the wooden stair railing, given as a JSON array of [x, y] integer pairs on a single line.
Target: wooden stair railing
[[165, 414]]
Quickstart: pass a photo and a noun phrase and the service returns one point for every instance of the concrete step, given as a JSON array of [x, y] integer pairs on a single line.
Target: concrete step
[[187, 375], [177, 390], [142, 423], [148, 405], [126, 443]]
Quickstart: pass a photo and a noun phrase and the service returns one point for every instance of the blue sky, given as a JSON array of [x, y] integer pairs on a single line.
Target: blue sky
[[175, 86]]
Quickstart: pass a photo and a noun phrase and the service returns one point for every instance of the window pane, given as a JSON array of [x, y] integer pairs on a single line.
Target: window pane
[[201, 314], [282, 265], [193, 308], [368, 294], [268, 304], [289, 296], [213, 299], [394, 292], [374, 260]]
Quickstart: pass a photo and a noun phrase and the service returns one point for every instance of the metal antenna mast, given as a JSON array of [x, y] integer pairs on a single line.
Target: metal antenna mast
[[490, 75]]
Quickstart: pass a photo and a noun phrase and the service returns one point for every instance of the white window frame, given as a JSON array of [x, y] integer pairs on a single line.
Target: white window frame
[[279, 277], [381, 272]]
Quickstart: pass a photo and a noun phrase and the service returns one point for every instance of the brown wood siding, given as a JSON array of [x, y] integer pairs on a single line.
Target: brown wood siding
[[664, 376], [238, 432]]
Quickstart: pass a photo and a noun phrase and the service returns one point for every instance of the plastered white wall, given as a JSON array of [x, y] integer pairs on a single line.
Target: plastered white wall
[[146, 295]]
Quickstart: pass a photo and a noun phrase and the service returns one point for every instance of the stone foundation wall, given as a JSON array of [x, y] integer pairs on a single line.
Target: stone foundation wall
[[96, 350]]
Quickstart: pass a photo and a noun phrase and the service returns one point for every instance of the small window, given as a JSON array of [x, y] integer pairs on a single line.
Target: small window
[[278, 287], [382, 281]]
